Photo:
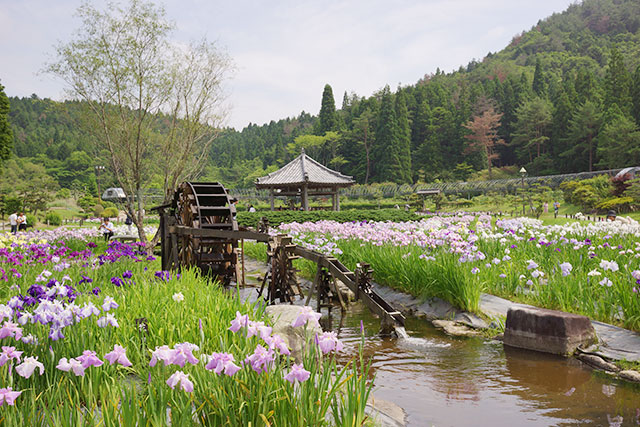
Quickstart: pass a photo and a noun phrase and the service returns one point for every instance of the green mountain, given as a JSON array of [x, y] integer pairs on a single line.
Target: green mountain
[[562, 97]]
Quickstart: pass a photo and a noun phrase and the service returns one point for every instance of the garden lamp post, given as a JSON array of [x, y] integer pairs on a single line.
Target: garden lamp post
[[523, 173], [98, 170]]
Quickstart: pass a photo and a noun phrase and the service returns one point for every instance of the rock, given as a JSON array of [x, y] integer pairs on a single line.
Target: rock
[[548, 331], [454, 328], [347, 294], [630, 375], [385, 413], [282, 316], [471, 320], [598, 362]]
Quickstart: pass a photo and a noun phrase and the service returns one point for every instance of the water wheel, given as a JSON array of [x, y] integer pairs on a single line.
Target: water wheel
[[206, 205]]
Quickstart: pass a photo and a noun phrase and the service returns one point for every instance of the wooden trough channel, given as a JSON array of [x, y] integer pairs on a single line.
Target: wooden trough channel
[[198, 229]]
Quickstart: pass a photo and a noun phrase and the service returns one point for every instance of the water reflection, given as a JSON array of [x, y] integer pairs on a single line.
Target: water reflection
[[445, 381]]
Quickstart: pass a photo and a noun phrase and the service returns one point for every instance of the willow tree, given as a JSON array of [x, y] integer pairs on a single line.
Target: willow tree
[[155, 104]]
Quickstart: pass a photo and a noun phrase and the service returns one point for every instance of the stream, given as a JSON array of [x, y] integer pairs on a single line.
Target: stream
[[441, 380]]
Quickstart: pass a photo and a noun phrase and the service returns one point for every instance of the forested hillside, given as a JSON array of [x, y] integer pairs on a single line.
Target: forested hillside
[[562, 97]]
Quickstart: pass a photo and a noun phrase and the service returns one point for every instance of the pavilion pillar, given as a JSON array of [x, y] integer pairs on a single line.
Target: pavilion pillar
[[272, 200], [305, 197], [336, 195]]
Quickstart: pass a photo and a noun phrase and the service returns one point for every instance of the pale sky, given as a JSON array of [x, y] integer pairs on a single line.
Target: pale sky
[[285, 51]]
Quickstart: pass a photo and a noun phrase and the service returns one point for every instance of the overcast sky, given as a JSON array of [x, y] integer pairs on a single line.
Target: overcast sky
[[286, 51]]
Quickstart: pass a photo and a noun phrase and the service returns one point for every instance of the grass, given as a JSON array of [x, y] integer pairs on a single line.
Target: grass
[[139, 395]]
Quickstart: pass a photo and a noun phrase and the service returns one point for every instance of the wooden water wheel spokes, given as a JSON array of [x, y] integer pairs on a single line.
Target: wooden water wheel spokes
[[205, 205]]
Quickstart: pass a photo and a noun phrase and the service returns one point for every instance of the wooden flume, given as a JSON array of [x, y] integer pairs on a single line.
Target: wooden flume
[[199, 229]]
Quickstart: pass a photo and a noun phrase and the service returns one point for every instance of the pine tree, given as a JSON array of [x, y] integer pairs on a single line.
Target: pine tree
[[619, 142], [403, 137], [582, 137], [635, 94], [6, 133], [617, 84], [327, 119], [386, 161], [538, 80], [484, 135]]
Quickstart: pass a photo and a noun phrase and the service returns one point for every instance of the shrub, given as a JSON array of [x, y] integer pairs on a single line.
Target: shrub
[[31, 220], [98, 210], [587, 193], [110, 212], [251, 219], [621, 204], [53, 218]]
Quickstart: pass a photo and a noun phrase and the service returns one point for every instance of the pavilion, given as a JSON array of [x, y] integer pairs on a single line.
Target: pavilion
[[304, 177]]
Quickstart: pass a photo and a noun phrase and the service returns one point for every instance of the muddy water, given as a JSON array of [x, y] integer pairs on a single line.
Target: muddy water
[[444, 381]]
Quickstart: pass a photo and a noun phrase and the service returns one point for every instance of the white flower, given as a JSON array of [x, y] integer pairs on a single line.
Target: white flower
[[178, 297], [594, 273], [532, 265], [606, 282]]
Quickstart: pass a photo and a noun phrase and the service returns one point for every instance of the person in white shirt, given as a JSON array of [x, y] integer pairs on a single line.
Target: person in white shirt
[[107, 229], [13, 220], [22, 222], [252, 209]]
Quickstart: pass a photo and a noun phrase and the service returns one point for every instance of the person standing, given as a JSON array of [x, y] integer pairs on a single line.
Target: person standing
[[22, 222], [13, 221], [556, 208], [545, 207]]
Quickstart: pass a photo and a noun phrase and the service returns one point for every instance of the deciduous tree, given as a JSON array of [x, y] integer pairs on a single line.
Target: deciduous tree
[[155, 104], [484, 135]]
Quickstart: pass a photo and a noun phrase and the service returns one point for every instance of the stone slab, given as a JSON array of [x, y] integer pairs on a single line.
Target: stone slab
[[548, 331]]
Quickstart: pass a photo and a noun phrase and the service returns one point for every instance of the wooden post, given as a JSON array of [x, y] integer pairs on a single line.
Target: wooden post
[[272, 200], [305, 197], [337, 196]]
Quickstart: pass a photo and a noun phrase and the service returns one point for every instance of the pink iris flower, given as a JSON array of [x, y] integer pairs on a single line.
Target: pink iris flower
[[26, 368], [328, 342], [276, 342], [222, 362], [8, 395], [10, 329], [89, 358], [182, 353], [9, 353], [163, 353], [118, 355], [261, 359], [181, 378], [297, 373], [306, 315], [71, 365], [239, 322]]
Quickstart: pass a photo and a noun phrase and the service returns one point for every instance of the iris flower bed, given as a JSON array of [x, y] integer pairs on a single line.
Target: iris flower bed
[[94, 334], [587, 268]]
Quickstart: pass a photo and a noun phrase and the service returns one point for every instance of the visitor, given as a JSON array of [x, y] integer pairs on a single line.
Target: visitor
[[545, 207], [13, 221], [22, 222], [611, 215], [251, 208], [128, 222], [556, 208], [106, 228]]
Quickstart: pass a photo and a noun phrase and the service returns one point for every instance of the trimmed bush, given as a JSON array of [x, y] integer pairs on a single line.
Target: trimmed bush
[[251, 219], [53, 218], [110, 212]]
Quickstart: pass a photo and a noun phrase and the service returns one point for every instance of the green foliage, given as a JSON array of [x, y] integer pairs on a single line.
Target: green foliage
[[327, 119], [251, 219], [97, 210], [619, 143], [588, 193], [86, 203], [53, 218], [6, 133], [110, 212], [32, 220], [620, 204]]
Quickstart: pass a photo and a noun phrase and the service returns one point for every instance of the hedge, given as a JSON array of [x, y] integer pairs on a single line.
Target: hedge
[[251, 219]]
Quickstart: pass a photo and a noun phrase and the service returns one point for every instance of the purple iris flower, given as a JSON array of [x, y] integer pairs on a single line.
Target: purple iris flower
[[117, 281], [96, 290], [127, 274]]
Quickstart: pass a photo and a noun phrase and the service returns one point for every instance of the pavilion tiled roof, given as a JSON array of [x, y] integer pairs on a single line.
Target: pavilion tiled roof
[[304, 169]]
